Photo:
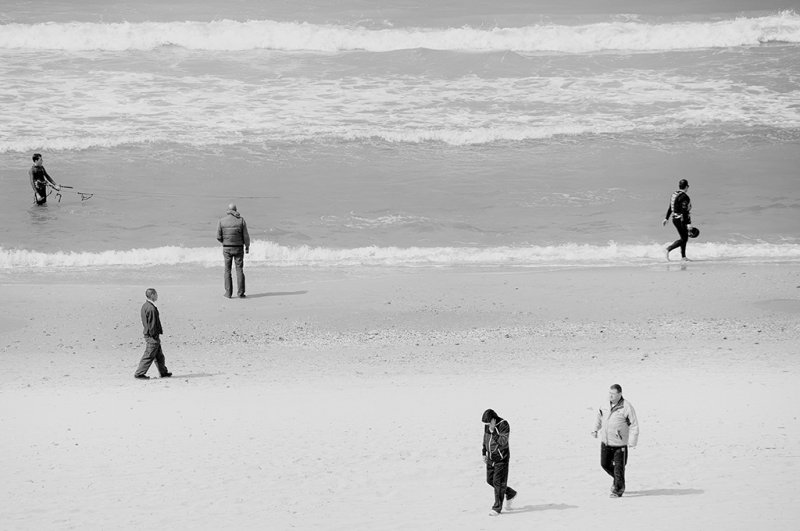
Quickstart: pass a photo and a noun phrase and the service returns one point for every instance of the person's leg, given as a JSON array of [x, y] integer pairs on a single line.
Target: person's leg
[[510, 493], [226, 252], [683, 233], [161, 361], [490, 473], [41, 195], [239, 259], [500, 480], [676, 243], [150, 349], [620, 459], [606, 459]]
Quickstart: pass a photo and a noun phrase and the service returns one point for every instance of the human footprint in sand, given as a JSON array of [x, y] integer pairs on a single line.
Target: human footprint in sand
[[152, 336], [619, 431], [496, 454]]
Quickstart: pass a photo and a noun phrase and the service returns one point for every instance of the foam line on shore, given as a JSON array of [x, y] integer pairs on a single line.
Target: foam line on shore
[[275, 255]]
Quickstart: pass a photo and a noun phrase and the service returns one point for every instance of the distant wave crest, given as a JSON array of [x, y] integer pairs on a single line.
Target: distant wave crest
[[272, 254], [228, 35]]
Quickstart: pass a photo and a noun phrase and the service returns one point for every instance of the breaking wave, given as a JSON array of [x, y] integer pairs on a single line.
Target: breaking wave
[[271, 254], [229, 35]]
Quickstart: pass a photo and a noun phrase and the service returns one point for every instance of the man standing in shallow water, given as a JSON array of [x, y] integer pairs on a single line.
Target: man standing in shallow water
[[619, 430], [232, 234], [40, 180]]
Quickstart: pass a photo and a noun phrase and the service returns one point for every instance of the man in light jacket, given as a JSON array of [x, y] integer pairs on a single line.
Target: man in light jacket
[[496, 455], [619, 430], [232, 234]]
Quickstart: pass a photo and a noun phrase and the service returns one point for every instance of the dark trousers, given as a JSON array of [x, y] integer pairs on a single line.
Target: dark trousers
[[613, 460], [683, 232], [152, 352], [234, 254], [497, 477]]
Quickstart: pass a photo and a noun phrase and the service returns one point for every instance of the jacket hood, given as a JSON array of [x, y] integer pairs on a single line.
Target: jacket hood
[[488, 415], [233, 213]]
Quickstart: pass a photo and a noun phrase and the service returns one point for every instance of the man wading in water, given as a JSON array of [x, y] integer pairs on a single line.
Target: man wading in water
[[40, 180]]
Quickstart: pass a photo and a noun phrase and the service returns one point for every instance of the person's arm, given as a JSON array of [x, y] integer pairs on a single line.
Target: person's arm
[[598, 422], [30, 176], [669, 212], [149, 321], [50, 179], [687, 210], [501, 434], [246, 236], [219, 231], [633, 434]]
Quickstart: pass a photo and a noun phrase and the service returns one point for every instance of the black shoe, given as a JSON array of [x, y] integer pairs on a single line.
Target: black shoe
[[226, 295], [166, 375], [141, 376], [242, 296]]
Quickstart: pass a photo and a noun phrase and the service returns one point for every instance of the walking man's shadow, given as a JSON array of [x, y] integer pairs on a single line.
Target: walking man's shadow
[[663, 492], [542, 507], [276, 294]]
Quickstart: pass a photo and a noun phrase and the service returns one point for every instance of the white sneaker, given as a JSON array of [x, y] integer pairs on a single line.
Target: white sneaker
[[493, 513], [510, 504]]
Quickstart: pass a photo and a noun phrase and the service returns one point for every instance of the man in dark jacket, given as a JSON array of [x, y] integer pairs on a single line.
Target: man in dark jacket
[[496, 454], [40, 180], [152, 336], [232, 234], [680, 208]]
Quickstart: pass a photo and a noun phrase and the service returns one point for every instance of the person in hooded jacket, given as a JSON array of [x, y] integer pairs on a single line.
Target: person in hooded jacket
[[232, 234], [618, 427], [496, 454]]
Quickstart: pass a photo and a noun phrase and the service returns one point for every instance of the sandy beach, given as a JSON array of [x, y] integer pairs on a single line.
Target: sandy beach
[[351, 398]]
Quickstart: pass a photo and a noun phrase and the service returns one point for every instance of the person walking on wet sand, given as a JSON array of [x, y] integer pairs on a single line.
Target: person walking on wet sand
[[152, 336], [680, 207], [619, 430], [40, 180], [232, 234], [496, 455]]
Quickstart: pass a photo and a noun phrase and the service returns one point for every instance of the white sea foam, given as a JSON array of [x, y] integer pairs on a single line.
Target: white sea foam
[[99, 108], [266, 253], [291, 36]]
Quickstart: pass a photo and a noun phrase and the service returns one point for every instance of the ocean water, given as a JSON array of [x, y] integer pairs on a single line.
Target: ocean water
[[395, 133]]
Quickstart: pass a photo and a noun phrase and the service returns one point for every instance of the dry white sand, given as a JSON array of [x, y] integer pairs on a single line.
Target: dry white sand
[[352, 399]]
